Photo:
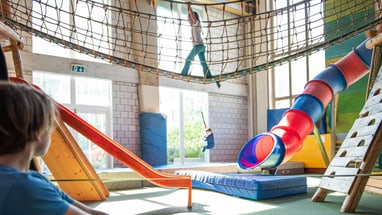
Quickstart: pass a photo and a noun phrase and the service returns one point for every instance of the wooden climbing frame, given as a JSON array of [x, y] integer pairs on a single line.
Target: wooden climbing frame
[[352, 165]]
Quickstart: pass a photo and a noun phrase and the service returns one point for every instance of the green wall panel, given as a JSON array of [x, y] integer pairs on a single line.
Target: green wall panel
[[335, 9], [351, 100]]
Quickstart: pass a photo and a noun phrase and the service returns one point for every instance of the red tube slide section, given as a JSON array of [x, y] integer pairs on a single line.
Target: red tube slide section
[[273, 148], [121, 153]]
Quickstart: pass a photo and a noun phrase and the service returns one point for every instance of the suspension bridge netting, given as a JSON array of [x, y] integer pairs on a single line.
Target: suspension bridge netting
[[242, 37]]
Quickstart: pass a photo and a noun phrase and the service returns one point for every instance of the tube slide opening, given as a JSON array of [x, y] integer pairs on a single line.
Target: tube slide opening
[[265, 150]]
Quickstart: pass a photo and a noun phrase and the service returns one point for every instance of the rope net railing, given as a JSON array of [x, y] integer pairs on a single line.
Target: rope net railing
[[241, 37]]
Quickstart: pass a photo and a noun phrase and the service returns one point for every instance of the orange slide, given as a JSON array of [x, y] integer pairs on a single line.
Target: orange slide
[[120, 153], [125, 156]]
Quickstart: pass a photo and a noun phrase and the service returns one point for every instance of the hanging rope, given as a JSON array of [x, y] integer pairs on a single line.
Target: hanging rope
[[240, 39]]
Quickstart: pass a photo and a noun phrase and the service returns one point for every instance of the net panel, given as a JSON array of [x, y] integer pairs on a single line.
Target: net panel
[[242, 37]]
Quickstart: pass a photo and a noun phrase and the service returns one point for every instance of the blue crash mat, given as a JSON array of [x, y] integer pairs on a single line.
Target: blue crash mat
[[249, 186]]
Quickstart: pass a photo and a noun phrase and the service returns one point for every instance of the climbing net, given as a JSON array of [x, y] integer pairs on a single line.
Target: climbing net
[[242, 37]]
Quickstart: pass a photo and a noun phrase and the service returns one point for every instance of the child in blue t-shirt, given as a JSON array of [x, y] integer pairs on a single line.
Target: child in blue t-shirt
[[27, 120]]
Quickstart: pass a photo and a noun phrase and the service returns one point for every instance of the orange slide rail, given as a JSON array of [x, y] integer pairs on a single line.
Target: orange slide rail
[[121, 153]]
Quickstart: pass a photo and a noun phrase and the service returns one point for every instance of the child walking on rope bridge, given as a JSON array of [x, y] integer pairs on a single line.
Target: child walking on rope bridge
[[27, 119], [198, 45]]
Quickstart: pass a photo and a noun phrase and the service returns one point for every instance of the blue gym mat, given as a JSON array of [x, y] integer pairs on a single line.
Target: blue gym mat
[[249, 186]]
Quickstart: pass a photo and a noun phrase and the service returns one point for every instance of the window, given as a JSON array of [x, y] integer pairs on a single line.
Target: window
[[290, 78], [90, 98], [48, 24], [184, 110]]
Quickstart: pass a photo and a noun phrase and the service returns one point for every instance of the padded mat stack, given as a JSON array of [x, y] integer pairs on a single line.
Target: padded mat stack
[[249, 186]]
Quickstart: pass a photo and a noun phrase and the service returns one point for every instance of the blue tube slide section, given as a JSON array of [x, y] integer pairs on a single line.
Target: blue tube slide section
[[270, 149]]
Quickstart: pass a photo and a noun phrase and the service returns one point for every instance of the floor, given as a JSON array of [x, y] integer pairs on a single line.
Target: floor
[[156, 200]]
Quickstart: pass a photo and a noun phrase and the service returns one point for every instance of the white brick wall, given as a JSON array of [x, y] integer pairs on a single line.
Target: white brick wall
[[228, 117], [126, 117]]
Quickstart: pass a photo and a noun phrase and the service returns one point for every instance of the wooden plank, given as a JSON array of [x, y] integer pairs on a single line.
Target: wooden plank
[[365, 131], [359, 151], [357, 141], [337, 182], [341, 171], [367, 121], [346, 162], [373, 100], [371, 110], [362, 131]]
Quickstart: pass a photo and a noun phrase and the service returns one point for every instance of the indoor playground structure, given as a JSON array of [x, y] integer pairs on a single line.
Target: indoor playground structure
[[242, 38]]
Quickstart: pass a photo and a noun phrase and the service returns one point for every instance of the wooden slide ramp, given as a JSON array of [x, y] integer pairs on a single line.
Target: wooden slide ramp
[[71, 169], [355, 159]]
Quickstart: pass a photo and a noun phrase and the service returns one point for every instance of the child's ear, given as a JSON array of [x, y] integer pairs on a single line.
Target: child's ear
[[38, 137]]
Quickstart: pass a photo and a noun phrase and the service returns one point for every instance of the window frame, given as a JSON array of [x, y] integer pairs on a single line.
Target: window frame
[[311, 69]]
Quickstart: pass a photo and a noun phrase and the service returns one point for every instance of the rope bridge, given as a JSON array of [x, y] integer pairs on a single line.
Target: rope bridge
[[242, 37]]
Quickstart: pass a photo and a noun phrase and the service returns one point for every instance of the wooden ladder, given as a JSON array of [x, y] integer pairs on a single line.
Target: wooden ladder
[[353, 163]]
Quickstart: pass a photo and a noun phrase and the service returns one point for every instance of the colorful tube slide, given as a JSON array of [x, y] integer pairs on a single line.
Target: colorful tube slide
[[270, 149], [121, 153]]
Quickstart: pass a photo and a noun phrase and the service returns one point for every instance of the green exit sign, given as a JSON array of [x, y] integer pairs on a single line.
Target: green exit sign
[[78, 68]]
